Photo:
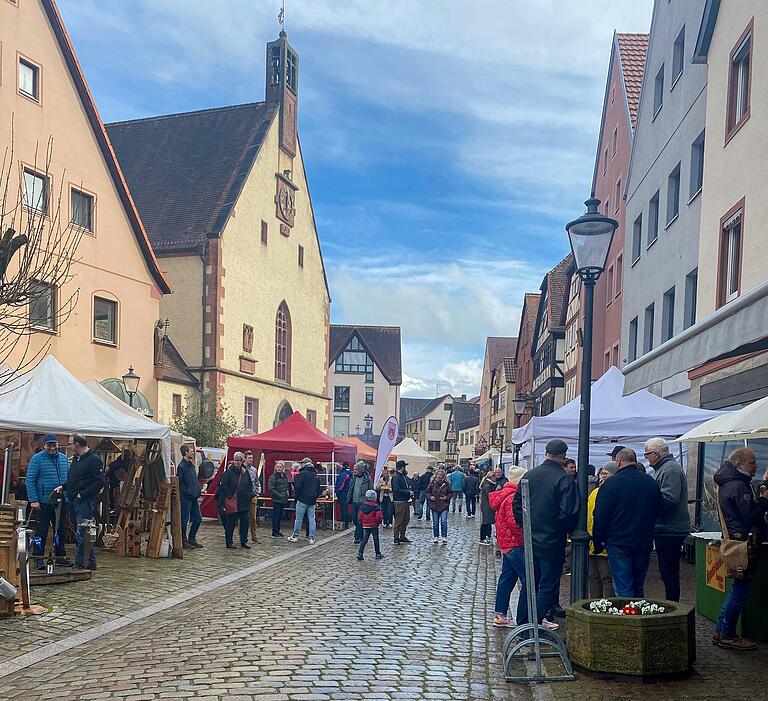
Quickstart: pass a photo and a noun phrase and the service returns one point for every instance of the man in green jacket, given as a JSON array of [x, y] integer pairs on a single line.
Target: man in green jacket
[[359, 485]]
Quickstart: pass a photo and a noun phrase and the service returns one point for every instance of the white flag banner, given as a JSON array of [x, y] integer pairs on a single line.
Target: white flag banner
[[387, 441]]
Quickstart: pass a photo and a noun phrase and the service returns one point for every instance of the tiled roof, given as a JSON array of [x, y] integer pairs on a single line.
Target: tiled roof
[[499, 347], [430, 406], [186, 170], [382, 342], [530, 311], [174, 367], [632, 51], [509, 369], [556, 285], [465, 415], [410, 407]]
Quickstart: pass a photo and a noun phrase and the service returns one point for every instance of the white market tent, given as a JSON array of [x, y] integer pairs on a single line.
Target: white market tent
[[416, 457], [751, 422], [615, 419], [492, 454], [50, 398]]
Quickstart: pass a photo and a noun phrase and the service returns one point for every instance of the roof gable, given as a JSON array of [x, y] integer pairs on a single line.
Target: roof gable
[[497, 348], [410, 407], [465, 415], [187, 170], [430, 406], [528, 317], [382, 343], [553, 290], [102, 139], [175, 367]]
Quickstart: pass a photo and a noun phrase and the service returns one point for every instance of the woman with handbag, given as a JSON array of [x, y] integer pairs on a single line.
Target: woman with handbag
[[740, 514], [236, 492]]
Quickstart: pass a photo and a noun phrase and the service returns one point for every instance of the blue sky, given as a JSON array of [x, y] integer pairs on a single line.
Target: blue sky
[[446, 142]]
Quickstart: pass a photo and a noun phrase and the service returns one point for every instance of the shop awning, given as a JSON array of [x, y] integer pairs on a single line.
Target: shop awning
[[751, 422], [736, 328]]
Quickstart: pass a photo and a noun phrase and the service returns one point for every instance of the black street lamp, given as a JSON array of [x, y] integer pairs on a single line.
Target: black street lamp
[[368, 419], [519, 404], [131, 383], [590, 237]]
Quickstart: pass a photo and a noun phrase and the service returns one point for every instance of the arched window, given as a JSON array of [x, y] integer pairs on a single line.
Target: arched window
[[283, 343]]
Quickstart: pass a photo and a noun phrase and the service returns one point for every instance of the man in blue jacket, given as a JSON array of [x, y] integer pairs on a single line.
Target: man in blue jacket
[[456, 480], [343, 482], [46, 475], [189, 493]]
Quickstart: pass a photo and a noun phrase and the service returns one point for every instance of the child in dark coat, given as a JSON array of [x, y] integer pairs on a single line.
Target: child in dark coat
[[370, 519]]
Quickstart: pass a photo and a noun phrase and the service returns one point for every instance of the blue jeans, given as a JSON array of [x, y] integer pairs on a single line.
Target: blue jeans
[[512, 571], [82, 510], [732, 606], [423, 501], [628, 569], [356, 521], [309, 510], [547, 575], [190, 511], [440, 523]]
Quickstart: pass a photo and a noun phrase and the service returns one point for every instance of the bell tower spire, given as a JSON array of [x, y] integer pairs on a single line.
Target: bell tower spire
[[282, 85]]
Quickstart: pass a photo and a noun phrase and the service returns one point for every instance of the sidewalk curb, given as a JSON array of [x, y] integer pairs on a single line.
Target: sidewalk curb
[[56, 648]]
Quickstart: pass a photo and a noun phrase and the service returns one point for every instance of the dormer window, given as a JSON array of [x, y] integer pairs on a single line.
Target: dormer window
[[355, 360]]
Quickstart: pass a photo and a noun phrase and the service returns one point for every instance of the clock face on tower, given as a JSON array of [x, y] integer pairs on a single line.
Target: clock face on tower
[[285, 200]]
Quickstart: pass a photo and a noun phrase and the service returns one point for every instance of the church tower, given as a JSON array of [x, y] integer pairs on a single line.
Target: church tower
[[282, 88]]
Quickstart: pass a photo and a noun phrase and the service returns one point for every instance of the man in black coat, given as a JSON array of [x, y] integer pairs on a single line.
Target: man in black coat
[[306, 489], [554, 510], [471, 490], [189, 493], [85, 480], [626, 509], [401, 495], [742, 514], [424, 481]]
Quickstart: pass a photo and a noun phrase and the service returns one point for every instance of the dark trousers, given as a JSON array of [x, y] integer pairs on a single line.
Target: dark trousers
[[45, 517], [367, 533], [668, 552], [471, 504], [82, 510], [387, 511], [241, 517], [628, 569], [732, 606], [277, 516], [356, 521], [547, 576], [344, 506], [402, 516], [485, 531], [512, 572], [190, 512]]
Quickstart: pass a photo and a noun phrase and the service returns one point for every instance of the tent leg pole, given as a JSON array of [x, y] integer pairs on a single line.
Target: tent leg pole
[[333, 490]]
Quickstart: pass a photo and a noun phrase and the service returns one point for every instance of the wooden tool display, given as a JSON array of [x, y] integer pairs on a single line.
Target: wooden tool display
[[177, 545], [8, 566], [159, 515]]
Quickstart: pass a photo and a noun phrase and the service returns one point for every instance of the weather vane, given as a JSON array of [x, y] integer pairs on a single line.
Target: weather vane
[[281, 16]]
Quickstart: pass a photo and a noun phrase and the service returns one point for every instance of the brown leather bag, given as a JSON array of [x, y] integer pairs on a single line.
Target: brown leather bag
[[738, 555], [230, 503]]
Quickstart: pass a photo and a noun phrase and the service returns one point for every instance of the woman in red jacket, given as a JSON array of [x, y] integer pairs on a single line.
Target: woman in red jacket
[[510, 541]]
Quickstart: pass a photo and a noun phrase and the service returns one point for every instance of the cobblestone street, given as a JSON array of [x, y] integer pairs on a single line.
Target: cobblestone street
[[315, 625]]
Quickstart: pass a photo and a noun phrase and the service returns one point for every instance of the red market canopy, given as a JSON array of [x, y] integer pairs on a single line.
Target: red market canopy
[[294, 439]]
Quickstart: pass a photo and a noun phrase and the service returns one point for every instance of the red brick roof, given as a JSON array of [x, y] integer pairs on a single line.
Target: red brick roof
[[557, 285], [497, 348], [632, 50], [509, 369]]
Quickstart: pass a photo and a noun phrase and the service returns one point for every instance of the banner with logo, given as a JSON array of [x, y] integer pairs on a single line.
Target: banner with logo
[[387, 441]]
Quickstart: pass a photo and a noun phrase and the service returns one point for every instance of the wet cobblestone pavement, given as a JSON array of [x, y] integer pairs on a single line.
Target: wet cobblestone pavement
[[318, 625]]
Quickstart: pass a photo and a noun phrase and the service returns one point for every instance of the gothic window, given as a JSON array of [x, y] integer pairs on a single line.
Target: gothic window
[[283, 343]]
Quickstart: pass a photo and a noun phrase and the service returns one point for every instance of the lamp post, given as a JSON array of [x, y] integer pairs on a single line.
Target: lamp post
[[590, 237], [518, 405], [131, 383], [368, 419]]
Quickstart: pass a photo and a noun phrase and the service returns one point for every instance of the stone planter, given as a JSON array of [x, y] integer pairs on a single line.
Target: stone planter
[[662, 643]]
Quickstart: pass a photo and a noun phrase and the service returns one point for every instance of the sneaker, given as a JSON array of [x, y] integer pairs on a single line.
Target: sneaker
[[468, 516], [231, 547], [186, 545], [445, 541], [395, 542], [485, 542], [360, 557], [245, 546], [549, 625], [64, 562], [436, 541], [379, 556], [311, 541], [292, 538], [195, 544], [503, 622], [405, 540], [736, 643], [418, 518]]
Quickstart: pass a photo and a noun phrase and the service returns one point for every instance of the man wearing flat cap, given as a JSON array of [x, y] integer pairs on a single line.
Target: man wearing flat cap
[[554, 511], [401, 496]]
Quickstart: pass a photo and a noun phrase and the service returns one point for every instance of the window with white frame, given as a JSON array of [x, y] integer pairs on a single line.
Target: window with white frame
[[730, 258], [82, 209], [35, 191], [29, 79]]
